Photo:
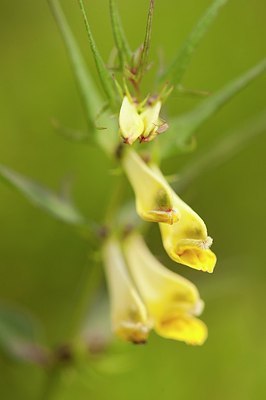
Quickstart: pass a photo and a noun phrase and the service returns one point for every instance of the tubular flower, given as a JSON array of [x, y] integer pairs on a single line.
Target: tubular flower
[[154, 197], [129, 315], [187, 241], [172, 301]]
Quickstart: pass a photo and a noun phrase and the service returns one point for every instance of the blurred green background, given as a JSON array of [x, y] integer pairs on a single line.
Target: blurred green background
[[44, 264]]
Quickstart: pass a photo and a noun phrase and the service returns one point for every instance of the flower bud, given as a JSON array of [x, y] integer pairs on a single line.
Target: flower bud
[[151, 121], [130, 122]]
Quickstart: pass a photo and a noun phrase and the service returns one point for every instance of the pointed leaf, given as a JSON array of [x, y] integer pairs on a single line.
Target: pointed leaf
[[122, 45], [182, 128], [178, 67], [147, 42], [42, 198], [105, 77], [222, 151], [89, 94]]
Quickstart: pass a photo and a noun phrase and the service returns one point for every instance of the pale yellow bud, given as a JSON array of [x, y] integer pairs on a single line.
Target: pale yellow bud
[[130, 122], [151, 120], [128, 312]]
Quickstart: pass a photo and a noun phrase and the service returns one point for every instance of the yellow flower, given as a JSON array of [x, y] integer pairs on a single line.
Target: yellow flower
[[151, 121], [130, 122], [138, 121], [172, 301], [187, 241], [154, 197], [129, 315]]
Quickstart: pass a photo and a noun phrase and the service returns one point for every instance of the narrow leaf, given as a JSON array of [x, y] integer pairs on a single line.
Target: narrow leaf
[[70, 134], [121, 42], [87, 89], [105, 77], [42, 198], [222, 151], [147, 41], [182, 128], [20, 335], [178, 67]]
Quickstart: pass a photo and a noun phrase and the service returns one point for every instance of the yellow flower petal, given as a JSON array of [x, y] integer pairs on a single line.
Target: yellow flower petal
[[182, 327], [172, 301], [129, 315], [187, 242], [154, 197], [130, 123], [150, 118]]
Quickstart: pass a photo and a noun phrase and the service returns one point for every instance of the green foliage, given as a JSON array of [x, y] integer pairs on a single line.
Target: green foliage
[[223, 150], [19, 336], [183, 128], [146, 45], [90, 97], [105, 77], [43, 198], [180, 64], [121, 42]]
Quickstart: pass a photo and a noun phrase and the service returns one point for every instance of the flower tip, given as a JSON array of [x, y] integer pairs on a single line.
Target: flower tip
[[134, 332]]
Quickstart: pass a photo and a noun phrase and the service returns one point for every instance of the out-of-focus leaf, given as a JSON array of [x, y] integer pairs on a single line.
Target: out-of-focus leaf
[[41, 197], [222, 151], [121, 42], [105, 77], [182, 128], [179, 66], [20, 336], [89, 94], [146, 45], [70, 134]]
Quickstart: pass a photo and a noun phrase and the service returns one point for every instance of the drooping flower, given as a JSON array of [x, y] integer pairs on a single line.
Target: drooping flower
[[154, 197], [172, 301], [128, 313], [187, 242]]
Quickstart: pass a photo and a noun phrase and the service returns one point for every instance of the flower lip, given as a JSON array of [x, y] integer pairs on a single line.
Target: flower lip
[[195, 254]]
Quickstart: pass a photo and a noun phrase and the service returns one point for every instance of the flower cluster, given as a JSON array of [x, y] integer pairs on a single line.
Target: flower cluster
[[144, 294], [140, 120]]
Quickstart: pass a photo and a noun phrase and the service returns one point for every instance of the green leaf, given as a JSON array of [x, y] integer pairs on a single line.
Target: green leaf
[[20, 336], [227, 147], [42, 198], [121, 42], [182, 128], [147, 42], [70, 134], [89, 94], [105, 77], [178, 67]]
